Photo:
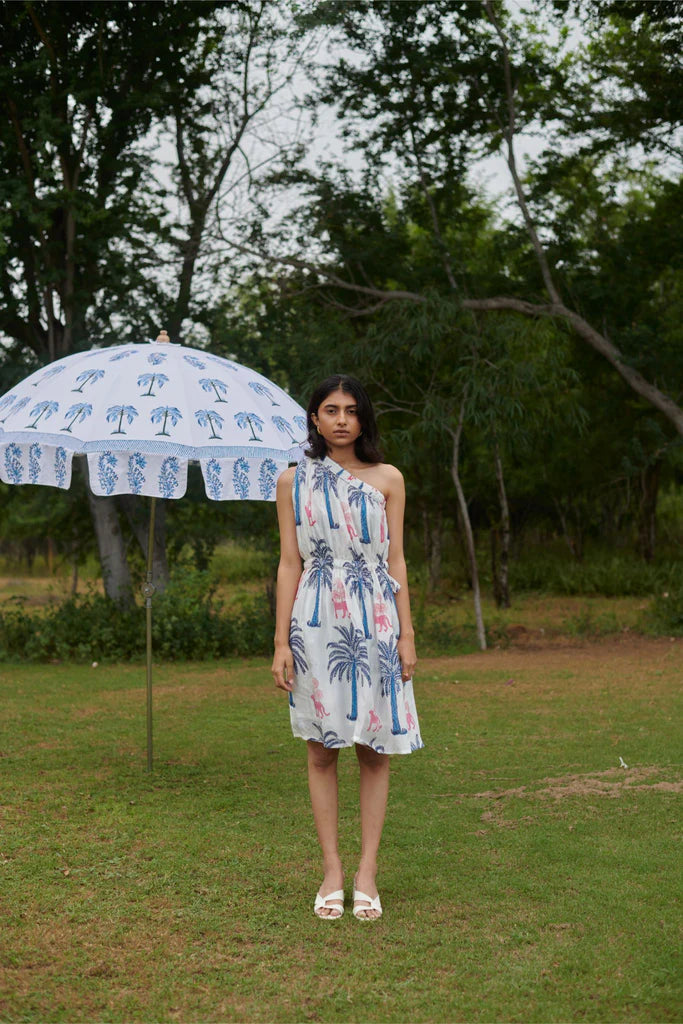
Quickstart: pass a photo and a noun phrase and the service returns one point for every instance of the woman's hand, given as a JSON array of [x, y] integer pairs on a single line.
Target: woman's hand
[[283, 667], [406, 652]]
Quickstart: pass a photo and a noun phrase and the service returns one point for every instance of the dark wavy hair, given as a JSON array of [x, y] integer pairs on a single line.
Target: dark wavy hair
[[367, 444]]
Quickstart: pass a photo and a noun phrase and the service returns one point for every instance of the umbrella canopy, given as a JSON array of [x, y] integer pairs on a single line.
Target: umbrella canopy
[[140, 413]]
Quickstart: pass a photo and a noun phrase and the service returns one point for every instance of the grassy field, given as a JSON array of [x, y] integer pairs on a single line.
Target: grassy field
[[526, 876]]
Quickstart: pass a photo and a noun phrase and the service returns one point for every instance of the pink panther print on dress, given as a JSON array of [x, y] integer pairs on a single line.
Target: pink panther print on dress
[[339, 600]]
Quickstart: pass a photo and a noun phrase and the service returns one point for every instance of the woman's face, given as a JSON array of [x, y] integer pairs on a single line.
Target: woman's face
[[337, 419]]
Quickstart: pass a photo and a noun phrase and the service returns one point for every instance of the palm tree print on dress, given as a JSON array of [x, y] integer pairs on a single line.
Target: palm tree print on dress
[[120, 411], [283, 426], [349, 661], [328, 739], [88, 377], [218, 387], [249, 420], [385, 581], [359, 497], [296, 643], [359, 578], [390, 667], [151, 378], [165, 413], [323, 478], [319, 574], [79, 412], [45, 409], [262, 390], [299, 475], [211, 419]]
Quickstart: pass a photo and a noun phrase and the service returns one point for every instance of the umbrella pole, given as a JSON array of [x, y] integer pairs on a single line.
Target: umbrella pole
[[148, 591]]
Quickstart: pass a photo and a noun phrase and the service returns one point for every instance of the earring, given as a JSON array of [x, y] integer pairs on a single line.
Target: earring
[[318, 429]]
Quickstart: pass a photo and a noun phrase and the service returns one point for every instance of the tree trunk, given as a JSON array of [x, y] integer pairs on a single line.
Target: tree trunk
[[503, 585], [432, 541], [495, 576], [112, 550], [467, 525], [647, 511], [137, 513]]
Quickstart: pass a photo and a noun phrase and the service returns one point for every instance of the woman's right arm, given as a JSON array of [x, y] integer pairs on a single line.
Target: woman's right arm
[[288, 575]]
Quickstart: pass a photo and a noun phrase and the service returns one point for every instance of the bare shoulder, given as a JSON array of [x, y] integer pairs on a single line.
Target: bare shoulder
[[388, 479], [285, 480]]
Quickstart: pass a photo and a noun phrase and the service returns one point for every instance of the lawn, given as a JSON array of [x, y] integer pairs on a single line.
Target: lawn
[[526, 876]]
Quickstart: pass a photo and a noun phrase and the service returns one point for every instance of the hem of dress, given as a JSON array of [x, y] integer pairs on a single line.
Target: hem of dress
[[345, 746]]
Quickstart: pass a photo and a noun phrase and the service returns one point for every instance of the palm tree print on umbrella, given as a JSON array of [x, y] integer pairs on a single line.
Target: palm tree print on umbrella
[[348, 661], [359, 497], [249, 420], [328, 481], [151, 378], [165, 413], [219, 387], [359, 578], [45, 409], [262, 390], [21, 404], [49, 374], [319, 574], [88, 377], [390, 667], [301, 423], [129, 411], [7, 400], [79, 412], [211, 419], [283, 426]]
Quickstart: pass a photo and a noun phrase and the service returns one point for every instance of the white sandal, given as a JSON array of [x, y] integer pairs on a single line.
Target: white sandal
[[359, 912], [322, 903]]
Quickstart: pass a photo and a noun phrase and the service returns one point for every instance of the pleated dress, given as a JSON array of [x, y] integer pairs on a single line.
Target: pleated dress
[[347, 685]]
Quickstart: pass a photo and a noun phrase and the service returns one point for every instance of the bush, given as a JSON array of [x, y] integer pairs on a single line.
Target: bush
[[611, 575], [666, 613], [187, 623]]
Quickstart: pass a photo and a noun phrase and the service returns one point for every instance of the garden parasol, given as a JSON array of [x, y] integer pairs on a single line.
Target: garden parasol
[[140, 413]]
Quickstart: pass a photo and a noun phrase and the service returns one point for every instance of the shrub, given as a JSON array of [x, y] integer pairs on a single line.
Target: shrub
[[187, 623]]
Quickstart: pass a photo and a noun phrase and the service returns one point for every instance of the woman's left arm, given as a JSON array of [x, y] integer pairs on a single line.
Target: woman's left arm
[[395, 493]]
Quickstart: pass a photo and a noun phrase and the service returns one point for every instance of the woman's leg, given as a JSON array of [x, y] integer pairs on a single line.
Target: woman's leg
[[374, 792], [322, 785]]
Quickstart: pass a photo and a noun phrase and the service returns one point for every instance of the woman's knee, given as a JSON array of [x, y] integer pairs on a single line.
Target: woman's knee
[[321, 757], [367, 757]]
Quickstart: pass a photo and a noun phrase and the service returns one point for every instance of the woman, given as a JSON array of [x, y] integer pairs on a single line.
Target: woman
[[344, 641]]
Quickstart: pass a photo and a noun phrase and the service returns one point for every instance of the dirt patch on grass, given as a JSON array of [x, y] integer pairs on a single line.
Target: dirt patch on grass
[[612, 782], [561, 652]]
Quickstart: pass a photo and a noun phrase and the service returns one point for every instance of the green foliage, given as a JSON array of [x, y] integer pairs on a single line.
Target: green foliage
[[187, 622], [666, 613], [600, 572]]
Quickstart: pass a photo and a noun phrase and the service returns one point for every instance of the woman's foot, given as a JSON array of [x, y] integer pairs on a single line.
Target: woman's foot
[[366, 903], [329, 902]]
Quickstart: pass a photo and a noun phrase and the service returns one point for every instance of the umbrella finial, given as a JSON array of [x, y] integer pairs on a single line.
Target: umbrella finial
[[163, 337]]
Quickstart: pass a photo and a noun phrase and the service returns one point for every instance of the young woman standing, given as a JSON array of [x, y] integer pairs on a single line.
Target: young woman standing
[[344, 641]]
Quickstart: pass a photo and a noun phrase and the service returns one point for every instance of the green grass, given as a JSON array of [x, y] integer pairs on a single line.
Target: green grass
[[525, 877]]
